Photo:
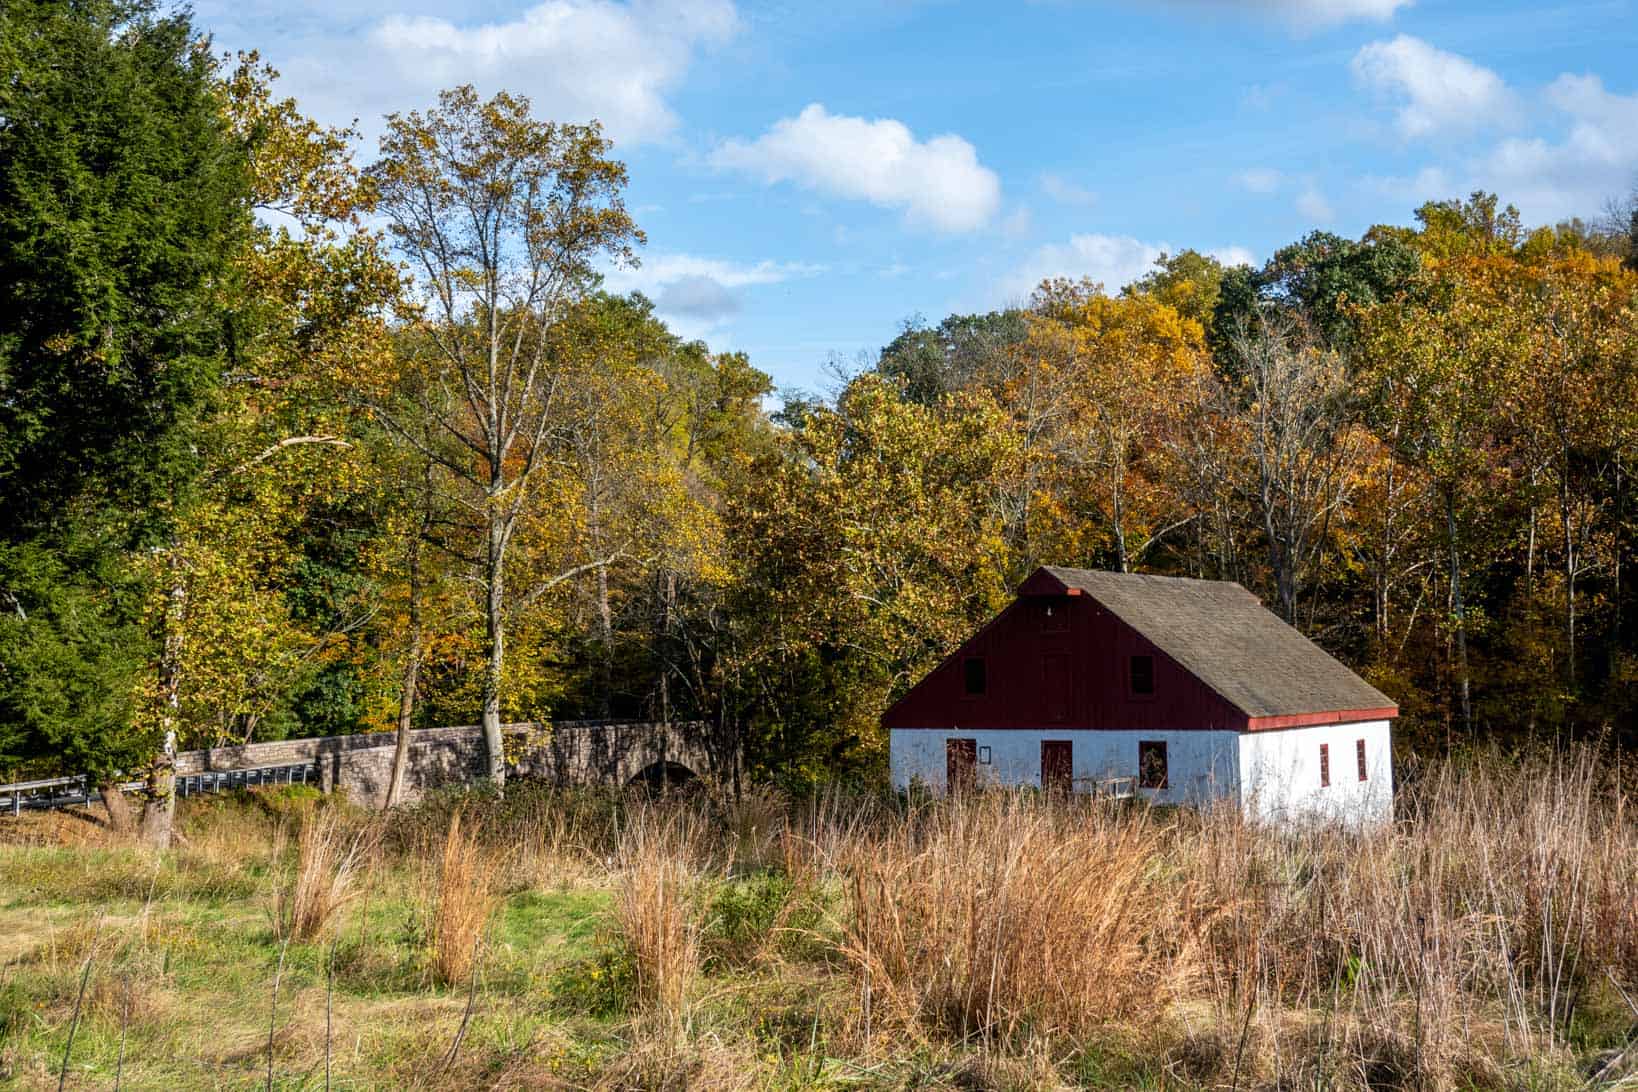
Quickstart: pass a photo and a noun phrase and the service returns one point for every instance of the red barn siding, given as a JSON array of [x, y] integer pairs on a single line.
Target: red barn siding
[[1043, 674]]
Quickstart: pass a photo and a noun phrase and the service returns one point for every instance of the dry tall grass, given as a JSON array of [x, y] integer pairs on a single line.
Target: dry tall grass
[[463, 896], [329, 859], [1483, 939], [1006, 918], [657, 907]]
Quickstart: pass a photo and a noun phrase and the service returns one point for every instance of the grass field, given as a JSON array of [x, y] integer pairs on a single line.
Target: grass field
[[1487, 939]]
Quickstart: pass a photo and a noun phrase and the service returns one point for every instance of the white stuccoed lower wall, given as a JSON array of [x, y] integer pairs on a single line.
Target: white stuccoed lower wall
[[1201, 765], [1274, 774], [1280, 772]]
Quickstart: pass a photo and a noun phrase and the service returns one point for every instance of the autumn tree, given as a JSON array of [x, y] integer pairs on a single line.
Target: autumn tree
[[1189, 282], [1301, 444], [502, 220], [958, 353], [872, 544], [1439, 365], [1126, 370]]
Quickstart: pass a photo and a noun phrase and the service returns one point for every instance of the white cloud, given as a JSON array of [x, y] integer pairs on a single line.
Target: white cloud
[[1327, 12], [660, 269], [1592, 157], [576, 59], [1262, 180], [1018, 223], [1262, 96], [1438, 91], [1065, 192], [938, 182], [1114, 261], [1596, 159], [1313, 206], [1234, 255], [1308, 14], [699, 289]]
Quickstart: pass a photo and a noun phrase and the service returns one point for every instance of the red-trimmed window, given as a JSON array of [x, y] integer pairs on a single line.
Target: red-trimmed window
[[1325, 765], [1359, 753], [1152, 772]]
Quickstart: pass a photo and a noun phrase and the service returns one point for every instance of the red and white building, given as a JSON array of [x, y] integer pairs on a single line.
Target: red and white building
[[1191, 687]]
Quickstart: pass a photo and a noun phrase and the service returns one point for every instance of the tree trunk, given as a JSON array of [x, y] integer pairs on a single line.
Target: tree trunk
[[159, 809], [605, 612], [495, 632], [1571, 564], [406, 716], [1119, 520], [1616, 558], [412, 661], [120, 819], [1464, 684]]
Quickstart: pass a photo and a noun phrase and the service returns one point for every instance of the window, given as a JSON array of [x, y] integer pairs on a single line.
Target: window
[[973, 676], [1151, 764], [1325, 765], [1054, 617], [1143, 675], [1359, 753]]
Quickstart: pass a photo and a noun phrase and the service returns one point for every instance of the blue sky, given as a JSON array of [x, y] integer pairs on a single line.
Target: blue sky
[[810, 175]]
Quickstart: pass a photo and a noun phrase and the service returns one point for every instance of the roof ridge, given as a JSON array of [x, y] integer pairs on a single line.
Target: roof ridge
[[1109, 574]]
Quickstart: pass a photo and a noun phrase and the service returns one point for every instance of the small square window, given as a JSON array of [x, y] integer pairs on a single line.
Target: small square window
[[1143, 675], [1359, 753], [973, 677], [1152, 764], [1054, 617], [1325, 765]]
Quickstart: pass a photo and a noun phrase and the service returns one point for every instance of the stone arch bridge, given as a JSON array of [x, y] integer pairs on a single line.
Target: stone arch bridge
[[565, 753]]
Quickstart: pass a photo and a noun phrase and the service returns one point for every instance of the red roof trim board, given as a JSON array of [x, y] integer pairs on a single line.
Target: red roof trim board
[[1308, 720]]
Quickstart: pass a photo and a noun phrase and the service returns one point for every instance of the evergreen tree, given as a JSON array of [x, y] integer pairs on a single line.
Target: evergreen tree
[[123, 198]]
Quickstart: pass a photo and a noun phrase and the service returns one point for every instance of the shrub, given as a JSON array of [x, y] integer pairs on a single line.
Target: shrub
[[754, 915], [601, 985]]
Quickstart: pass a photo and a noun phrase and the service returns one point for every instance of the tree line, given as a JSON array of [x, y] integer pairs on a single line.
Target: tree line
[[298, 438]]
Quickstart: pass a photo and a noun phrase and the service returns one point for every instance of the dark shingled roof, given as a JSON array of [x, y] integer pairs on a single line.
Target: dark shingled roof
[[1223, 635]]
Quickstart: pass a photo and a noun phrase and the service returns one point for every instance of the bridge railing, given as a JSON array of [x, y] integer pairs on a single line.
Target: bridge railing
[[64, 792]]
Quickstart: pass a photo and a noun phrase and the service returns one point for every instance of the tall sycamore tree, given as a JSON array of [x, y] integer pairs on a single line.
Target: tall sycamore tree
[[503, 221]]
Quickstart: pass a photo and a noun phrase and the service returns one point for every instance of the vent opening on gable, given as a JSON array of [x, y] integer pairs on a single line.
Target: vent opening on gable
[[973, 676], [1143, 675]]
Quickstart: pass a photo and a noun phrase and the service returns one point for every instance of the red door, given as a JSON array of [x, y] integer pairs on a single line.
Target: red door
[[961, 765], [1057, 766]]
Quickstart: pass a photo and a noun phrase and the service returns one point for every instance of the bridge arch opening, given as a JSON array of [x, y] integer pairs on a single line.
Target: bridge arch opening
[[664, 777]]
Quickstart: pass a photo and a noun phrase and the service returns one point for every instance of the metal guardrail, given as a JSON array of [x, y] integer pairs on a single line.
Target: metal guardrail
[[301, 773], [63, 792], [1106, 788]]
